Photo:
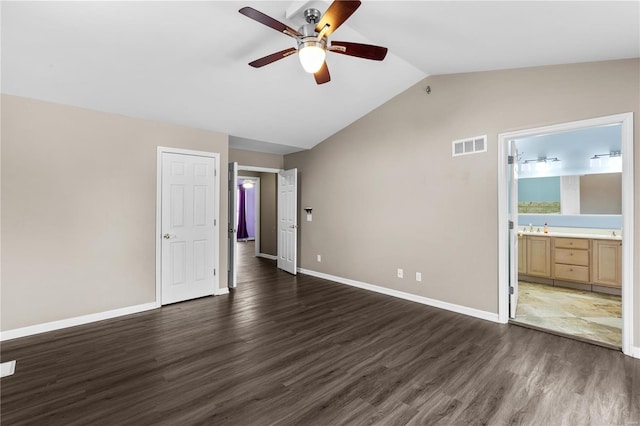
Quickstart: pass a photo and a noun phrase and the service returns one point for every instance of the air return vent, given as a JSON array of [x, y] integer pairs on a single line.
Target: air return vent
[[469, 145]]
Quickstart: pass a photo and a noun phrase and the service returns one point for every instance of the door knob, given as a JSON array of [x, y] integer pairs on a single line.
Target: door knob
[[166, 236]]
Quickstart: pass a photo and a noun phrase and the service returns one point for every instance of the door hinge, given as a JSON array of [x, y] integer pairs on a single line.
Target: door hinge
[[511, 290], [215, 223], [510, 224], [510, 159], [214, 272]]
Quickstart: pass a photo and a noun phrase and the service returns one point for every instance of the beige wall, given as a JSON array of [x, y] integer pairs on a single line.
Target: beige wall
[[386, 192], [601, 193], [79, 209], [256, 159]]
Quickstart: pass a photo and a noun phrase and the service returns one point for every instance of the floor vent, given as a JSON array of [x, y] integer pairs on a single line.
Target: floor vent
[[469, 146]]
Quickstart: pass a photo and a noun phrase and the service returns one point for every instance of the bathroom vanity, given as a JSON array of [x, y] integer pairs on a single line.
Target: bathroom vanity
[[570, 258]]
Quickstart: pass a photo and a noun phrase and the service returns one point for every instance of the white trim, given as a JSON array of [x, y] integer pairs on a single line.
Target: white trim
[[635, 352], [258, 169], [221, 291], [267, 256], [216, 213], [626, 120], [476, 313], [71, 322]]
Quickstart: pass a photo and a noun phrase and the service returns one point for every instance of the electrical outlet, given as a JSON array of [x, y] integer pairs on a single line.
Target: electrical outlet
[[400, 273], [319, 258], [418, 276]]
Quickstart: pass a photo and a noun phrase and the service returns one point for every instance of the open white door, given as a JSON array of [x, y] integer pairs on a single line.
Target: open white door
[[233, 223], [287, 220], [513, 229], [189, 246]]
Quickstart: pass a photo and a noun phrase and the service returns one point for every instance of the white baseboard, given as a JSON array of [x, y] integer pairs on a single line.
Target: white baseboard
[[221, 291], [70, 322], [267, 256], [635, 352], [489, 316]]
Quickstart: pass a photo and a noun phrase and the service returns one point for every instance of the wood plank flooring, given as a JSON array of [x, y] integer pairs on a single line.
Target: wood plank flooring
[[285, 349]]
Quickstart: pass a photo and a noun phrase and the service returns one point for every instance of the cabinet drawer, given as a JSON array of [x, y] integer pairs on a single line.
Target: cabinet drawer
[[577, 243], [572, 257], [571, 272]]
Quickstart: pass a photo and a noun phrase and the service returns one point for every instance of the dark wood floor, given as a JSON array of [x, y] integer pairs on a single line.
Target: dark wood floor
[[301, 350]]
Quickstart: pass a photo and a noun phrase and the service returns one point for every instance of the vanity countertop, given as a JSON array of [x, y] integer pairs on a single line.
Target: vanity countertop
[[603, 234]]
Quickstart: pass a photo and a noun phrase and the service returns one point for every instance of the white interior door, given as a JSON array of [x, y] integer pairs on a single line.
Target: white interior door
[[233, 224], [287, 220], [513, 231], [188, 249]]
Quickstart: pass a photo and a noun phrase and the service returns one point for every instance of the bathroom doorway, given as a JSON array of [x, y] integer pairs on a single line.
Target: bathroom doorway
[[570, 276]]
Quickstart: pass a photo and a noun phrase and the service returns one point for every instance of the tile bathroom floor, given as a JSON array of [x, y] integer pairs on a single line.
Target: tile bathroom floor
[[583, 314]]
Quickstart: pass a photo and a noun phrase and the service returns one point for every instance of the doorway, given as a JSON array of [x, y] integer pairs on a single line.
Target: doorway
[[275, 217], [562, 257]]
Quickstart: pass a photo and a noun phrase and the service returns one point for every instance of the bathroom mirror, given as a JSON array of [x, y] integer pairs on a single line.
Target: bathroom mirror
[[578, 194]]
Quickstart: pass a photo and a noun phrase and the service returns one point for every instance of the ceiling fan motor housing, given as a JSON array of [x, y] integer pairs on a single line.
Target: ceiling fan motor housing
[[309, 34]]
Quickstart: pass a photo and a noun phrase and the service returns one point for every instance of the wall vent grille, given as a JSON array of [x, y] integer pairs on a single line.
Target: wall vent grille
[[469, 146]]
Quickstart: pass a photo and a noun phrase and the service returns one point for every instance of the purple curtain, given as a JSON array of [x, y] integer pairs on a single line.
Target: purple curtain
[[242, 219]]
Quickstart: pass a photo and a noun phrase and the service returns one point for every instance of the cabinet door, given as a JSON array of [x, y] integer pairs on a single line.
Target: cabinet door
[[607, 263], [522, 254], [539, 256]]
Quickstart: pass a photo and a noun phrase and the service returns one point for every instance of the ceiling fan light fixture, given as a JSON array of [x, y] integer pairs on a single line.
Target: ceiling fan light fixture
[[311, 54]]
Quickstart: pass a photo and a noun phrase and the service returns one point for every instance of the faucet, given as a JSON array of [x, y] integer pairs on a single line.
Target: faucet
[[531, 227]]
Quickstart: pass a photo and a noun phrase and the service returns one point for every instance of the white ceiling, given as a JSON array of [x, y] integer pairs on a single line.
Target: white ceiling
[[186, 62]]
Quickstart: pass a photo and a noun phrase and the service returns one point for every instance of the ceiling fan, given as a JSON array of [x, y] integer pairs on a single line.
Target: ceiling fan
[[312, 38]]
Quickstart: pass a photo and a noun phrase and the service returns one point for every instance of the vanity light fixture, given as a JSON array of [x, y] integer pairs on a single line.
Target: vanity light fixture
[[540, 163], [614, 162], [247, 184]]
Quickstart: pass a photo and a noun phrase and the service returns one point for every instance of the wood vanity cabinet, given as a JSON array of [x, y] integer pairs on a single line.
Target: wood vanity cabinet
[[590, 261], [522, 254], [538, 256], [571, 259], [607, 263]]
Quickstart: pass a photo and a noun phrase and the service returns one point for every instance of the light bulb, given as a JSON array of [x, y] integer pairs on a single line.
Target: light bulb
[[311, 57], [542, 166], [615, 163]]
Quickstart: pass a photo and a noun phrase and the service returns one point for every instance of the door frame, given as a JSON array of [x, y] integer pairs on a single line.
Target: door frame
[[216, 215], [626, 121], [240, 169]]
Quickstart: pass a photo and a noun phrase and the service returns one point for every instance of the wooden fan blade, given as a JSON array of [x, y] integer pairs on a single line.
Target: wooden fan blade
[[269, 21], [366, 51], [322, 75], [272, 58], [336, 14]]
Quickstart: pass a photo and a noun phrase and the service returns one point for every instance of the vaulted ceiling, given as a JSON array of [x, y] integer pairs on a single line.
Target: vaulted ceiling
[[186, 62]]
